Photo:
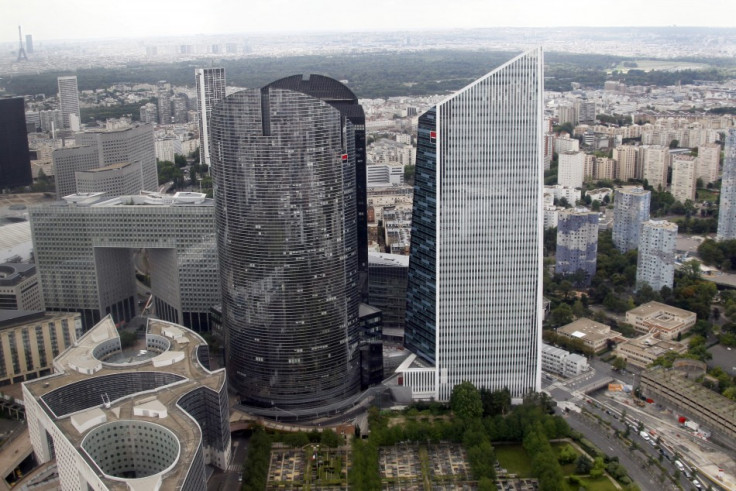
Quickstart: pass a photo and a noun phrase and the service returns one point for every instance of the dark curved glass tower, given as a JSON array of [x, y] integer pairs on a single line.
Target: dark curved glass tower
[[339, 96], [286, 230]]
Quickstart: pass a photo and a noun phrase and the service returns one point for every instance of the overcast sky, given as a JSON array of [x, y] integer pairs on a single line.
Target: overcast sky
[[85, 19]]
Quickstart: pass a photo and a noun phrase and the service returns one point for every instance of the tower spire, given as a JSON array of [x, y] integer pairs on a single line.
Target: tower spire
[[21, 49]]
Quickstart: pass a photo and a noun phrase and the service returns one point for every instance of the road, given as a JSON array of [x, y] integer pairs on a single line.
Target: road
[[637, 469], [608, 410]]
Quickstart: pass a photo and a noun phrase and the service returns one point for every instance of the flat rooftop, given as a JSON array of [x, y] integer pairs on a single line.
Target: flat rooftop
[[588, 330], [145, 198], [157, 382], [660, 311], [384, 259], [119, 165]]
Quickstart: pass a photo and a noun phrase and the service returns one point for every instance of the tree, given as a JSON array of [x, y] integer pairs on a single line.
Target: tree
[[331, 439], [465, 401], [561, 315], [596, 471], [674, 144], [496, 402], [180, 160], [619, 363]]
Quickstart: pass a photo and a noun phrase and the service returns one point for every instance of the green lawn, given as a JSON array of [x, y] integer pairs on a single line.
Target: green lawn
[[707, 195], [514, 459]]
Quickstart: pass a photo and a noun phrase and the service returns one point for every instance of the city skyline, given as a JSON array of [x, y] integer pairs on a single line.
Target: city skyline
[[50, 21]]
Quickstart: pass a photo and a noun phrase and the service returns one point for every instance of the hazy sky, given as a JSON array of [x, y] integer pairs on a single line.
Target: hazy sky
[[76, 19]]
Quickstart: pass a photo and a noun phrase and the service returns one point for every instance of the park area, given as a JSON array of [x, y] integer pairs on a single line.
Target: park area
[[404, 466]]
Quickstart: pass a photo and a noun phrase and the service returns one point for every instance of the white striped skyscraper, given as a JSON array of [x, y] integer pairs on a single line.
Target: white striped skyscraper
[[727, 210], [210, 91], [475, 285], [69, 101]]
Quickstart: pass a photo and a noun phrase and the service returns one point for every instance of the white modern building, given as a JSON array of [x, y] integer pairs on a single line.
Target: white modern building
[[683, 177], [210, 91], [557, 192], [69, 101], [561, 362], [566, 144], [656, 259], [113, 419], [570, 169], [727, 210], [382, 175], [630, 209], [468, 318]]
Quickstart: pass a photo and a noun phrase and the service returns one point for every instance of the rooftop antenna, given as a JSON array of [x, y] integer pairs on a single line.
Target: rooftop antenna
[[21, 49]]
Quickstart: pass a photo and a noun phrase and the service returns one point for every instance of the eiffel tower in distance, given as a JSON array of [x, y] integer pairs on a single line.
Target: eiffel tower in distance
[[21, 49]]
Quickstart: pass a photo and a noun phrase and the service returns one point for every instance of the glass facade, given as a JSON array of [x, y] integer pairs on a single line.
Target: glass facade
[[342, 98], [284, 185], [475, 293], [15, 160]]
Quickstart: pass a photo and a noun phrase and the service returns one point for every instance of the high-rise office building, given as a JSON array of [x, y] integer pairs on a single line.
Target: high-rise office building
[[387, 291], [97, 149], [15, 160], [683, 178], [69, 101], [655, 263], [630, 209], [477, 217], [84, 249], [284, 186], [340, 97], [210, 91], [727, 210], [571, 166], [577, 243], [628, 166], [180, 108], [709, 157], [163, 95]]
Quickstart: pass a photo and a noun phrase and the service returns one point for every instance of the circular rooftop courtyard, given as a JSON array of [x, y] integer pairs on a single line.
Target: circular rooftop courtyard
[[132, 449]]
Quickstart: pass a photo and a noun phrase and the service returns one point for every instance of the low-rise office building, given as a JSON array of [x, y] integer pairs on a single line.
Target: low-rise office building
[[143, 420], [562, 362], [642, 351], [594, 335], [30, 340], [19, 288], [667, 321]]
